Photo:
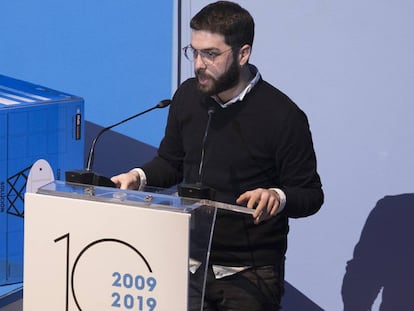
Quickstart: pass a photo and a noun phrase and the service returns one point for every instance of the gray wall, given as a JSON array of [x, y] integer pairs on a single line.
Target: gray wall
[[349, 65]]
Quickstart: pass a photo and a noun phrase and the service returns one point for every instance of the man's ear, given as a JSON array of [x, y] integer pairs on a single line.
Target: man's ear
[[244, 54]]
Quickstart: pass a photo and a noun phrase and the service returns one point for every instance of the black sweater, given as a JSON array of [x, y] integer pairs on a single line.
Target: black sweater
[[263, 141]]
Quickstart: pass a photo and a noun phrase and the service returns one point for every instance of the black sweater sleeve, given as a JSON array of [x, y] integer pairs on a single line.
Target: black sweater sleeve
[[298, 170]]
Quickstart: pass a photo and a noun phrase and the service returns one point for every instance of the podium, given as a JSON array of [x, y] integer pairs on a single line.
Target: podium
[[97, 248]]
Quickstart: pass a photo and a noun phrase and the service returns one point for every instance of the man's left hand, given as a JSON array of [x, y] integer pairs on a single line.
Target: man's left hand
[[264, 201]]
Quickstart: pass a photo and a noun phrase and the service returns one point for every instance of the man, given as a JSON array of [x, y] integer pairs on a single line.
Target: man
[[230, 130]]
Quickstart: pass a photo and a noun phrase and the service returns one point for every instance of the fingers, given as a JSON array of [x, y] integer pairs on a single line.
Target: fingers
[[118, 181], [126, 181], [251, 197], [264, 201]]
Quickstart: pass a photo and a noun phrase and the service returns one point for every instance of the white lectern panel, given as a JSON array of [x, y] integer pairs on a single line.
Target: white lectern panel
[[91, 255]]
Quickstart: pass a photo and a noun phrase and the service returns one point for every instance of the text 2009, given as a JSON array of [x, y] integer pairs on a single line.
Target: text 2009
[[138, 284]]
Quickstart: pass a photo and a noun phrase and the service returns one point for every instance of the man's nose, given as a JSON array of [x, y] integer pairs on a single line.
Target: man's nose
[[198, 61]]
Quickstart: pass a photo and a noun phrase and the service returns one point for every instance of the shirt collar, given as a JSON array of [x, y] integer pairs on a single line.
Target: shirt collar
[[243, 93]]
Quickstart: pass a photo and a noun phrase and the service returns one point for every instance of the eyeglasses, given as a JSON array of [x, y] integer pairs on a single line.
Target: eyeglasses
[[207, 56]]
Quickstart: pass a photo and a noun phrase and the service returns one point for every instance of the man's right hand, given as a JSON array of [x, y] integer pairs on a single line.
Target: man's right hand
[[129, 180]]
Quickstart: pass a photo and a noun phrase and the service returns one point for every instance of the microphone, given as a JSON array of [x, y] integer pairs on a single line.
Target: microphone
[[198, 190], [210, 112], [87, 176]]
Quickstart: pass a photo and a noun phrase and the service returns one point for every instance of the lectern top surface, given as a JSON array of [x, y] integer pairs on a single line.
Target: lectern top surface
[[152, 197]]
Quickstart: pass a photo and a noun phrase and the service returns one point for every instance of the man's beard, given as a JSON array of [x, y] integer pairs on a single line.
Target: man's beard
[[226, 81]]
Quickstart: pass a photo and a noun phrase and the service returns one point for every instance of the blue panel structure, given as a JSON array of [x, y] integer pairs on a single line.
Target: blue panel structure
[[36, 122]]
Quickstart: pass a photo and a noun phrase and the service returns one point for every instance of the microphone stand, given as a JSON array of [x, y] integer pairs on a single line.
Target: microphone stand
[[198, 190], [89, 177]]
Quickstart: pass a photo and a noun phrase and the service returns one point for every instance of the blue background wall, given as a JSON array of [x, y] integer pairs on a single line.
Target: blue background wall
[[347, 64], [115, 54]]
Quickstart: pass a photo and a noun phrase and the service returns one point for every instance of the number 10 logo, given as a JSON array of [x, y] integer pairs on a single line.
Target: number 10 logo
[[127, 290]]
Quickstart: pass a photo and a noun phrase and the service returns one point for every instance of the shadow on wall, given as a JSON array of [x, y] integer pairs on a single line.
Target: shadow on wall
[[383, 258], [116, 153]]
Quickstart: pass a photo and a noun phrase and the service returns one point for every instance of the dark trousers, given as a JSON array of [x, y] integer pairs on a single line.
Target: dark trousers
[[254, 289]]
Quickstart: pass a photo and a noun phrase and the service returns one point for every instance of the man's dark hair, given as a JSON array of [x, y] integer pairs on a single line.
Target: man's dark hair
[[228, 19]]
